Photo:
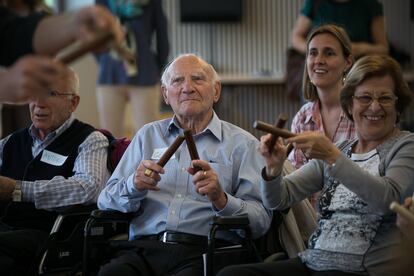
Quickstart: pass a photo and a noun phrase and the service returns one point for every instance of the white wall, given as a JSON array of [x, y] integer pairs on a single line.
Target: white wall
[[86, 69]]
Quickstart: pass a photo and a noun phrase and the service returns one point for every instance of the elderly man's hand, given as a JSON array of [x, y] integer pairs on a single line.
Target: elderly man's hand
[[6, 188], [207, 183], [147, 176]]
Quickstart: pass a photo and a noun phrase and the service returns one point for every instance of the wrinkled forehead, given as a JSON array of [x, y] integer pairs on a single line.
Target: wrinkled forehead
[[189, 66], [377, 84]]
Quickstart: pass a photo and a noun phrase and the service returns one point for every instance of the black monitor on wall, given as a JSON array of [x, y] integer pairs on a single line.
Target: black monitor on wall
[[211, 10], [412, 10]]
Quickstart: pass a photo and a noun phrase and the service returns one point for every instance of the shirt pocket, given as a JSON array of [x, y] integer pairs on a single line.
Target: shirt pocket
[[224, 175]]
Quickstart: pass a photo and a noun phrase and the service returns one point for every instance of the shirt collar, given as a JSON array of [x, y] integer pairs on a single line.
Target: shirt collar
[[213, 127], [312, 115], [173, 127], [34, 132]]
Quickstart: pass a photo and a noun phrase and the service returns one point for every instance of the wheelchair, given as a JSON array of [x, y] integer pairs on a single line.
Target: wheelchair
[[81, 240], [62, 254], [94, 245]]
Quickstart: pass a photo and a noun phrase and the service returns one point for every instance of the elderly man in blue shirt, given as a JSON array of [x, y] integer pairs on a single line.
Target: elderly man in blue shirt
[[175, 202]]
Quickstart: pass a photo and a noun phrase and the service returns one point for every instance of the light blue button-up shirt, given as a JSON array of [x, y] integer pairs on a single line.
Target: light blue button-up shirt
[[231, 153]]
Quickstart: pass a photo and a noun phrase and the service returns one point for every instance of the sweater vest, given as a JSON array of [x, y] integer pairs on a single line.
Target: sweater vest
[[19, 164]]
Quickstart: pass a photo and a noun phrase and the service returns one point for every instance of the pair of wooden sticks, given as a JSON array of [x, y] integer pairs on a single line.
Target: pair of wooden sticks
[[188, 137]]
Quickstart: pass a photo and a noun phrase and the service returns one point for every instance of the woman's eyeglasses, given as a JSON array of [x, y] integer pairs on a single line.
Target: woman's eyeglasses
[[384, 100]]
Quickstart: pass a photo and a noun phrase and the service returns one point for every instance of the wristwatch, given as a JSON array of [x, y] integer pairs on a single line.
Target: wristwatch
[[17, 193]]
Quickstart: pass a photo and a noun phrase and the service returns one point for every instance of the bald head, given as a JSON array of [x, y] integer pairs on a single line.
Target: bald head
[[72, 81], [166, 76], [191, 86]]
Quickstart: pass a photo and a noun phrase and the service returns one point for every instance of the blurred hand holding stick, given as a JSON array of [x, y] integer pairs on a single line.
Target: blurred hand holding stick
[[97, 41], [407, 213]]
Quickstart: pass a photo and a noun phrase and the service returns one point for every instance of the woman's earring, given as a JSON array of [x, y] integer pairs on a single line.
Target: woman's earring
[[344, 77]]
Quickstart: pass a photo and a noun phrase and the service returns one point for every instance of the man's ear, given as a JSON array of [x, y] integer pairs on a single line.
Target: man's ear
[[164, 94], [75, 102], [217, 91]]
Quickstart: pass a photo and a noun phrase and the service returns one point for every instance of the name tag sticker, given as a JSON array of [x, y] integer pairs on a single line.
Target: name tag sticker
[[53, 158], [156, 155]]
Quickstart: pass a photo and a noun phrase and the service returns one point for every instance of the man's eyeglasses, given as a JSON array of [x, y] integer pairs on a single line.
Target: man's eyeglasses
[[384, 100], [54, 94]]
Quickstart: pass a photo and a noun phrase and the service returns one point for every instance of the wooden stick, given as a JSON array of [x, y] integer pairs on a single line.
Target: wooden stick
[[191, 147], [99, 39], [167, 154], [401, 210], [281, 121], [80, 49], [272, 129]]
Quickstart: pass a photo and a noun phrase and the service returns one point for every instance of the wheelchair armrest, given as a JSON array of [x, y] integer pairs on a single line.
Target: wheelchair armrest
[[220, 223], [61, 249], [77, 213], [111, 215], [236, 221], [240, 222], [77, 209], [101, 226]]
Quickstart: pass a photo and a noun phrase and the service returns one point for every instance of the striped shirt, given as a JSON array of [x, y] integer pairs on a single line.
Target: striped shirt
[[309, 118], [90, 172]]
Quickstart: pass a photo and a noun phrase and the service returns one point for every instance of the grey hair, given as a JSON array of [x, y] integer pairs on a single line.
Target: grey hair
[[166, 75], [73, 81]]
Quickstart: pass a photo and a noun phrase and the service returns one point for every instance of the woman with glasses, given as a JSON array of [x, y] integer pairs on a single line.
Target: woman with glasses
[[358, 179]]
